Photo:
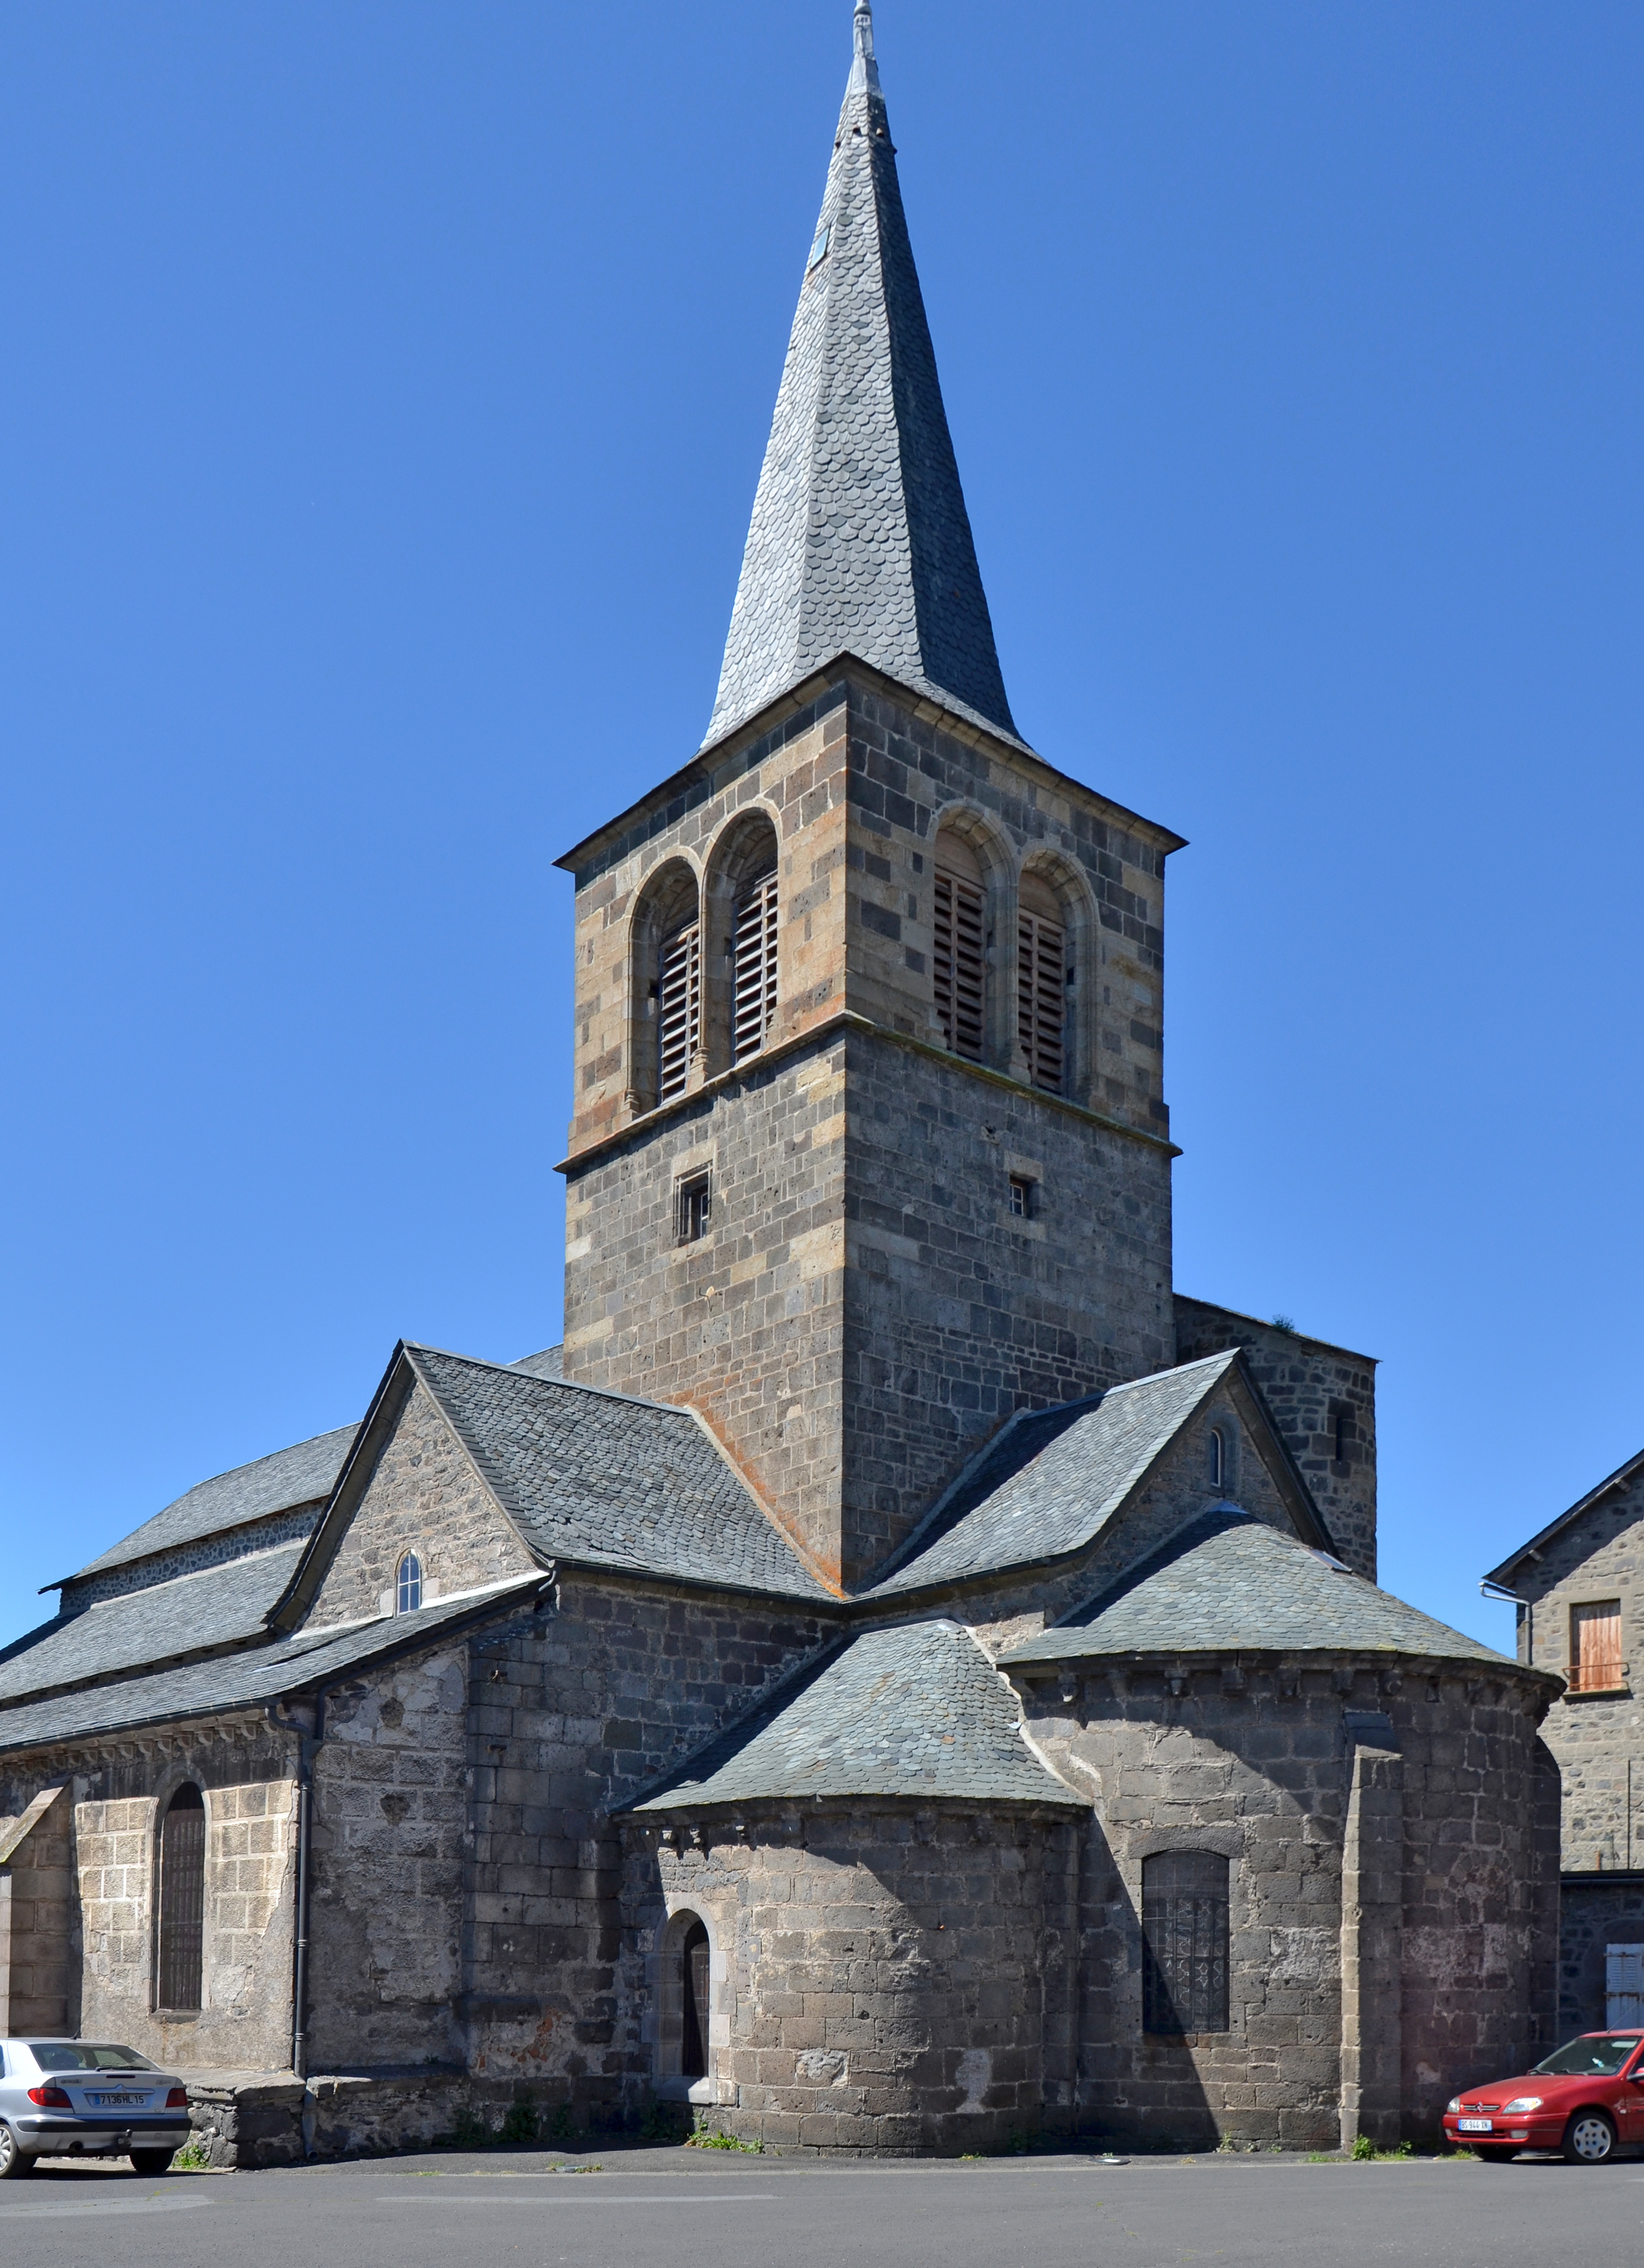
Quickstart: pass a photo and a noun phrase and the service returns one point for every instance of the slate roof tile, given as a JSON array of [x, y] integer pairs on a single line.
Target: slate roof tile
[[612, 1482], [1228, 1583], [918, 1710], [1049, 1481], [303, 1474]]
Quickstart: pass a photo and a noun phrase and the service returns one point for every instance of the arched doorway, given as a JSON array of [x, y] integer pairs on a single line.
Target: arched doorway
[[694, 1989]]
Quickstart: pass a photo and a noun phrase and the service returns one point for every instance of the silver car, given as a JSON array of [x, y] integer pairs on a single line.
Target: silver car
[[87, 2099]]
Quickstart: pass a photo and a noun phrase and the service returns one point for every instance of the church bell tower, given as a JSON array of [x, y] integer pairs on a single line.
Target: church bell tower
[[869, 1146]]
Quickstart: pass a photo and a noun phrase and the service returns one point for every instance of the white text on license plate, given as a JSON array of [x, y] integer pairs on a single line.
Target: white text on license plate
[[115, 2101], [1476, 2125]]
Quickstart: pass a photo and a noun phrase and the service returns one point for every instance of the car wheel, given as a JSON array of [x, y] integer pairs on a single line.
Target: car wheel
[[151, 2162], [1496, 2156], [15, 2162], [1589, 2138]]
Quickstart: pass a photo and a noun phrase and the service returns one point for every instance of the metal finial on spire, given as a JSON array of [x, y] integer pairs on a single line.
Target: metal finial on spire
[[864, 70]]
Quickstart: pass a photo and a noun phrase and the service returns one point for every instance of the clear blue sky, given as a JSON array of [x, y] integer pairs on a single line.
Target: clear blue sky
[[384, 394]]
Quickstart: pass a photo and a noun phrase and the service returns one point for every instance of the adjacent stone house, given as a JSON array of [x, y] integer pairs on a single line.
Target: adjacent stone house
[[1578, 1586], [900, 1675]]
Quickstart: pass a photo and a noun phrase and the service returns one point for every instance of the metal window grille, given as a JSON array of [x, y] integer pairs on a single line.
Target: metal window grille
[[960, 963], [1184, 1942], [696, 1207], [1041, 998], [753, 957], [409, 1595], [693, 2060], [1595, 1663], [679, 1010], [182, 1899]]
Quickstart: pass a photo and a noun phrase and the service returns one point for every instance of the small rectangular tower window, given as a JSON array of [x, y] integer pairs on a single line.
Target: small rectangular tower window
[[1595, 1663], [696, 1206], [679, 1010], [1021, 1197]]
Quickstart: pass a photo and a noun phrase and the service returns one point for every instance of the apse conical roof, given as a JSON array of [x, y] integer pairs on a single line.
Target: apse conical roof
[[860, 541]]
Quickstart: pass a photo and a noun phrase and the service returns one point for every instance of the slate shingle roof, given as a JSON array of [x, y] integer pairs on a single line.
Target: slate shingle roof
[[217, 1607], [1048, 1482], [860, 541], [914, 1711], [1228, 1583], [303, 1474], [612, 1482], [237, 1680]]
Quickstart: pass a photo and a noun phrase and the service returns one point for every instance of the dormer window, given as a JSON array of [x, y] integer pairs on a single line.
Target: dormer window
[[1218, 1458], [408, 1594]]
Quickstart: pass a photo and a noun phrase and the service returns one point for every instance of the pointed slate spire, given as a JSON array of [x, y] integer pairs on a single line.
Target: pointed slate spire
[[859, 539]]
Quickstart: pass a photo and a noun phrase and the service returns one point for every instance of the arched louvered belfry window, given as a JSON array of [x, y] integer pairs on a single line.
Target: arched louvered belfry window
[[182, 1898], [693, 1953], [1041, 983], [664, 1036], [679, 1008], [408, 1592], [754, 963], [960, 935]]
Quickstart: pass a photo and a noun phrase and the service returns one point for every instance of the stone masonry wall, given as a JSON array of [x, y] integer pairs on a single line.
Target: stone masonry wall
[[885, 1978], [1252, 1760], [1598, 1910], [424, 1496], [1306, 1383], [1598, 1738], [39, 1970]]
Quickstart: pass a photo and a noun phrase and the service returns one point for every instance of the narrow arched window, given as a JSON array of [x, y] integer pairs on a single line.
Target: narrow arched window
[[959, 926], [408, 1588], [1218, 1458], [1042, 984], [693, 1953], [753, 965], [1184, 1942], [182, 1898]]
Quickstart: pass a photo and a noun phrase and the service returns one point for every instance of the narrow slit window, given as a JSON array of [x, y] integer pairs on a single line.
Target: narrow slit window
[[1042, 985], [961, 961], [408, 1594], [1184, 1942], [1595, 1663], [679, 1010], [182, 1898], [1341, 1437], [753, 974], [694, 1950], [695, 1206], [1218, 1458]]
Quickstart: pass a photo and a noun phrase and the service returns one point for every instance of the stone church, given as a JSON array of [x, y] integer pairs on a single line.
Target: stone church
[[902, 1676]]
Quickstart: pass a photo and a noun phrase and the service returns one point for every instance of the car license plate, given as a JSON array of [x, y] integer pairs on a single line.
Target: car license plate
[[1476, 2125], [117, 2101]]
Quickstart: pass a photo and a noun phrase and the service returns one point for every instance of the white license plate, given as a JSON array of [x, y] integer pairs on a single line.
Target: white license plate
[[1476, 2125], [118, 2102]]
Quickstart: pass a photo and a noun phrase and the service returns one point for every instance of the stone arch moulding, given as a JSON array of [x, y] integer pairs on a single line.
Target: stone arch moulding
[[1227, 1841], [1076, 902], [746, 850], [995, 859], [674, 2083], [667, 907]]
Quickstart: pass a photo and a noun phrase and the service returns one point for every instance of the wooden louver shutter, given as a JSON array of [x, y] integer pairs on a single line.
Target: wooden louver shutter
[[1596, 1645], [1042, 997], [753, 955], [182, 1900], [679, 1010], [961, 964]]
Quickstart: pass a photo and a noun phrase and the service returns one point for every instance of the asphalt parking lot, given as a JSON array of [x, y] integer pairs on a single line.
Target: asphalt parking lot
[[724, 2210]]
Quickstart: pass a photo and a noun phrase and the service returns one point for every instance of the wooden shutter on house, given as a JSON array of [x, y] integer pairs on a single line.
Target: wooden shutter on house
[[182, 1899], [961, 962], [1042, 985], [1595, 1661], [754, 975], [679, 1010]]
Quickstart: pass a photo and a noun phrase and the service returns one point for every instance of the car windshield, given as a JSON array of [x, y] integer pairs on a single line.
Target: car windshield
[[86, 2055], [1599, 2055]]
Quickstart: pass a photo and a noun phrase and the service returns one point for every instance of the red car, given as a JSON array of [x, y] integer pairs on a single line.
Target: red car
[[1585, 2101]]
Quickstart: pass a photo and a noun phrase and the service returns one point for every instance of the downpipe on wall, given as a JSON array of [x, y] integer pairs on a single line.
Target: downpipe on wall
[[309, 1741]]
